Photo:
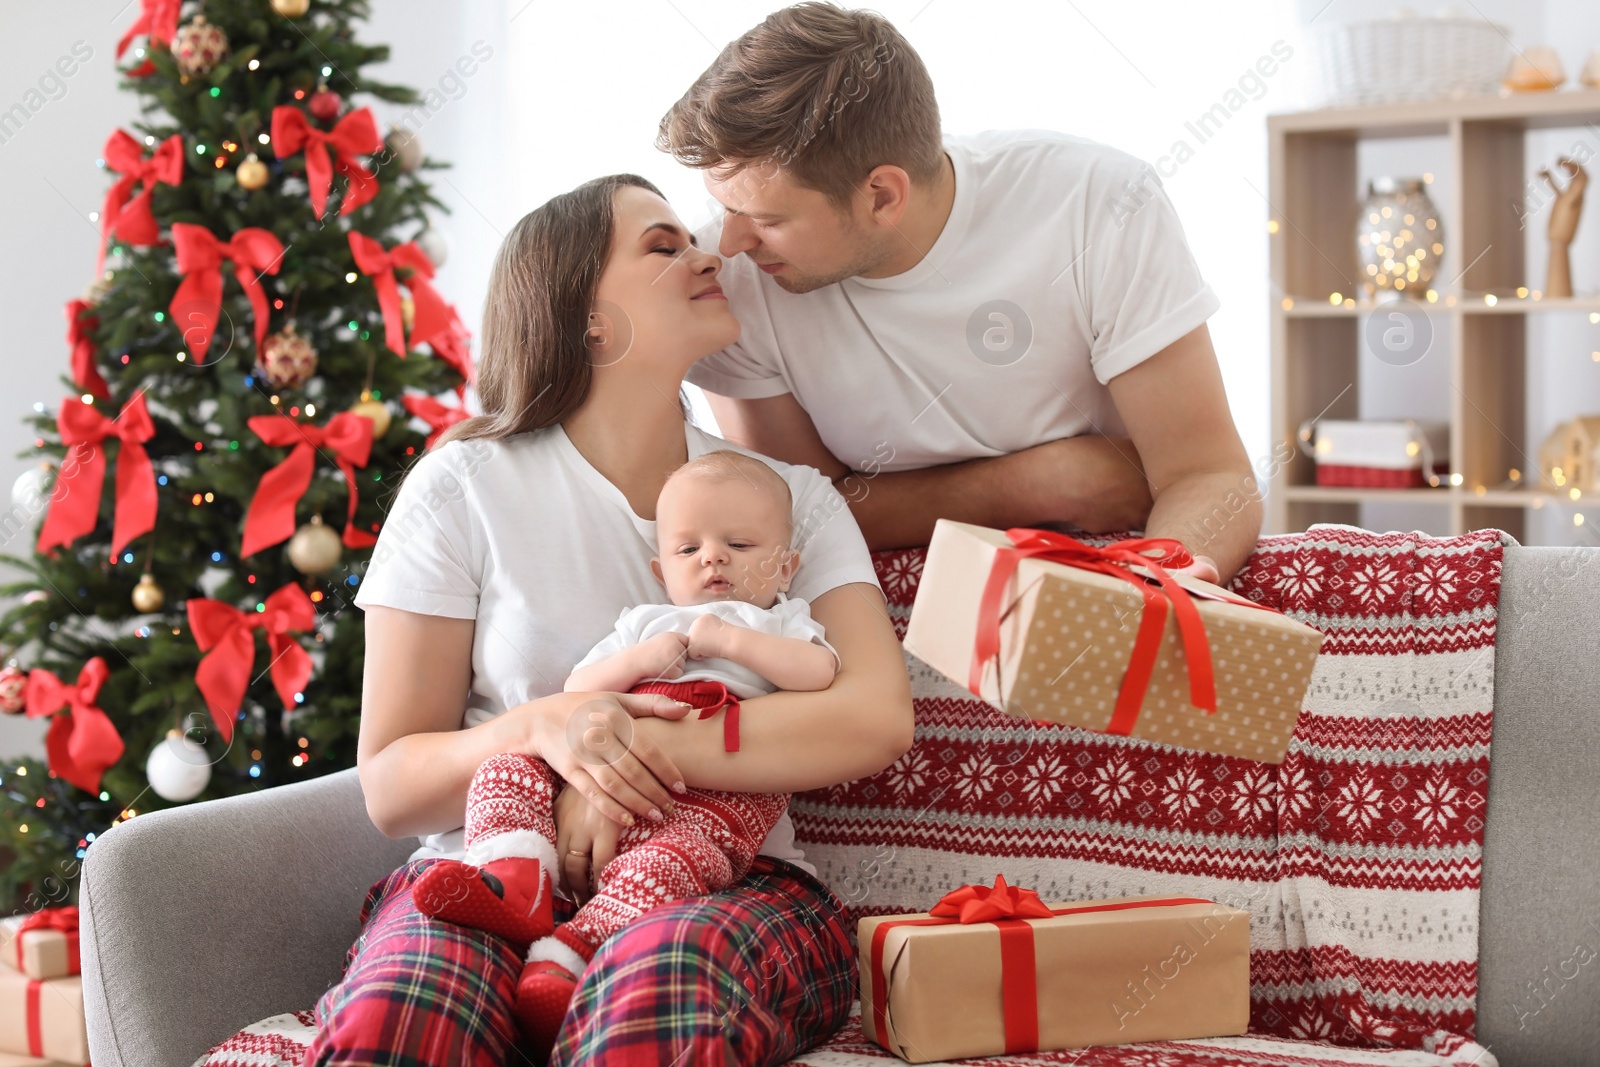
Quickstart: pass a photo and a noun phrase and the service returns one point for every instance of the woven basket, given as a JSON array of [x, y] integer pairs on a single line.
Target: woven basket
[[1398, 59]]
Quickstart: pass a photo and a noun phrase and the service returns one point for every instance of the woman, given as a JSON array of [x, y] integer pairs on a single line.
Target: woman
[[512, 546]]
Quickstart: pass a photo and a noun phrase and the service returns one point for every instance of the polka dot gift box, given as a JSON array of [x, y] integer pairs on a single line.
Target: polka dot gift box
[[1050, 628]]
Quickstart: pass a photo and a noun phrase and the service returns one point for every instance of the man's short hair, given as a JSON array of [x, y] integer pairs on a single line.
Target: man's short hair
[[824, 93]]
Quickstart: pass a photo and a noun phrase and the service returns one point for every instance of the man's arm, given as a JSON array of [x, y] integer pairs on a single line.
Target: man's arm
[[1095, 483], [1205, 492]]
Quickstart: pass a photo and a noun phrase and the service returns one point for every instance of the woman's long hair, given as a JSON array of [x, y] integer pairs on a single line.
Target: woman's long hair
[[534, 368]]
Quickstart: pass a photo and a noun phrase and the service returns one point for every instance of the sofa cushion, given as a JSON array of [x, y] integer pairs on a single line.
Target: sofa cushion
[[1358, 857]]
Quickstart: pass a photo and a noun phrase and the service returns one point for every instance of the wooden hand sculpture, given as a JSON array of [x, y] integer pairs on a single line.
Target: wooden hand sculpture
[[1563, 224]]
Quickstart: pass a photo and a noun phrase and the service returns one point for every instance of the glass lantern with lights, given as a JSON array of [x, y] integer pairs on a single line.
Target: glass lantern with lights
[[1399, 239]]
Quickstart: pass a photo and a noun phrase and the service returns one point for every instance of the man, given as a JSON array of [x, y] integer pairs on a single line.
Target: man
[[959, 327]]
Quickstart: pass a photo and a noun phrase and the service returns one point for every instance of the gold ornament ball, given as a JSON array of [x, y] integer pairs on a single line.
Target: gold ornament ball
[[286, 360], [291, 9], [407, 148], [376, 410], [147, 595], [252, 174], [315, 549], [198, 47]]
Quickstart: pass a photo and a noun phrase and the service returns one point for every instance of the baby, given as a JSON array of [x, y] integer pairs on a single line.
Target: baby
[[724, 522]]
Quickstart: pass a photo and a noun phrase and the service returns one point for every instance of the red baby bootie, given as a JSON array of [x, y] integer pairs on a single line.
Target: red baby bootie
[[543, 993], [507, 897]]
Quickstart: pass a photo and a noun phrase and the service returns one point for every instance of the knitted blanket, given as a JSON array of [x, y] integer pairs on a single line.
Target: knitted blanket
[[1358, 858]]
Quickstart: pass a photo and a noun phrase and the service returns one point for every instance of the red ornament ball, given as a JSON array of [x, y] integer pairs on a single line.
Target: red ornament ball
[[199, 46], [286, 360], [325, 104], [13, 690]]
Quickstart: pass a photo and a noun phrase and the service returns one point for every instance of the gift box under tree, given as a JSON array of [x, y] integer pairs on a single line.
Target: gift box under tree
[[43, 944]]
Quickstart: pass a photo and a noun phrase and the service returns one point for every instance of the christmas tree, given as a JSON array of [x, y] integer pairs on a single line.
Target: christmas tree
[[259, 356]]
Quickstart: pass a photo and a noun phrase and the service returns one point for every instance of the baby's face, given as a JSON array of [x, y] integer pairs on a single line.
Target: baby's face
[[722, 539]]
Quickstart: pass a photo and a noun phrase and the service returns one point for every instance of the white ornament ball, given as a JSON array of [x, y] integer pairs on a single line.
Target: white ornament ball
[[178, 768], [434, 246], [407, 148], [31, 490]]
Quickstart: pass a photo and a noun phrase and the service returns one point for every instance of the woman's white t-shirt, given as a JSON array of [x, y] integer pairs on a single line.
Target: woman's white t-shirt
[[527, 538]]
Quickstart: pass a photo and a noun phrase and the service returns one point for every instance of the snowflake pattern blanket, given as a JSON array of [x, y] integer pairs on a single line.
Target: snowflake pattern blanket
[[1358, 858]]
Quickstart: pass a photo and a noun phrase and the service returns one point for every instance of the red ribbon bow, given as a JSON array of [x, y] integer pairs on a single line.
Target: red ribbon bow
[[1115, 560], [64, 919], [83, 743], [133, 220], [79, 327], [75, 504], [158, 21], [982, 903], [1019, 990], [224, 634], [270, 517], [198, 301], [438, 416], [433, 321], [355, 133]]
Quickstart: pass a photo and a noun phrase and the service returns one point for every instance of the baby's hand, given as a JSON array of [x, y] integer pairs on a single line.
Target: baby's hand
[[662, 656], [708, 636]]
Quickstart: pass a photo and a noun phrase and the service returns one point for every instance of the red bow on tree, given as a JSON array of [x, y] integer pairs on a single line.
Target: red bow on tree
[[79, 326], [225, 634], [356, 132], [158, 21], [198, 301], [435, 414], [132, 220], [433, 320], [982, 903], [270, 518], [75, 504], [83, 743]]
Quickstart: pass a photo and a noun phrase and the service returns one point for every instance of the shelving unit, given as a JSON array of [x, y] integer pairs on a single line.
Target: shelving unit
[[1316, 344]]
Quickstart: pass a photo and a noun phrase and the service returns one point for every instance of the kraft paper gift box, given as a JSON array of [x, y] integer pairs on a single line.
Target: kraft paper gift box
[[1111, 648], [985, 972], [41, 945], [43, 1019]]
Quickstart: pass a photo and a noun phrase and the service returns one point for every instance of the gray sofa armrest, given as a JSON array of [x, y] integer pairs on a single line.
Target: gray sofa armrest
[[199, 921], [1539, 942]]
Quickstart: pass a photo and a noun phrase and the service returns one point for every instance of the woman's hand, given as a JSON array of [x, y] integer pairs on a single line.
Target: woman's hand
[[585, 842], [590, 741]]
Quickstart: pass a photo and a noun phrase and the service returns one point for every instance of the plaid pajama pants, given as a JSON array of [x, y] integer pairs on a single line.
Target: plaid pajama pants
[[753, 974]]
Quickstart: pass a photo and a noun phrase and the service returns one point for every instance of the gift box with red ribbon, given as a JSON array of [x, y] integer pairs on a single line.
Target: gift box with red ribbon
[[41, 945], [1105, 638], [43, 1019], [994, 970]]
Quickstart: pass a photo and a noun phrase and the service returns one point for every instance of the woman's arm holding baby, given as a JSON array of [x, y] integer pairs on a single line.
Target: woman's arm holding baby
[[786, 662]]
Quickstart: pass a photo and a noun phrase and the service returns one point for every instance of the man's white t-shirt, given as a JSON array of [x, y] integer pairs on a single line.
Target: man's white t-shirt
[[1062, 265], [789, 617], [527, 538]]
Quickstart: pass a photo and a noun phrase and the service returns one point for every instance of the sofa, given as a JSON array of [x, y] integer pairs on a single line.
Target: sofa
[[198, 921]]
